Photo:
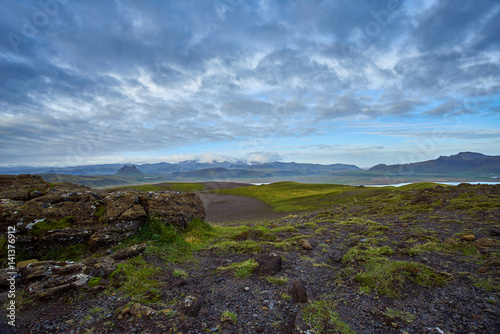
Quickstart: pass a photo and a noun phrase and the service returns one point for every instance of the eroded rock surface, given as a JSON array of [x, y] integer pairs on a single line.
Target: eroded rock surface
[[48, 215]]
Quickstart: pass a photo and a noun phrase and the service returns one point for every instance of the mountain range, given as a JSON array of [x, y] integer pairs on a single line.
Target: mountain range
[[463, 162], [464, 166]]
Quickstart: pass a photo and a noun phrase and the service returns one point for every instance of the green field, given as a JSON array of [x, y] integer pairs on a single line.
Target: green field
[[167, 186], [292, 196]]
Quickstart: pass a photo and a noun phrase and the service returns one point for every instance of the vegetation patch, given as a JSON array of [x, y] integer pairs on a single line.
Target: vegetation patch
[[321, 317], [43, 226], [228, 316], [277, 280], [387, 277], [242, 269], [401, 315], [67, 253], [134, 278], [370, 253]]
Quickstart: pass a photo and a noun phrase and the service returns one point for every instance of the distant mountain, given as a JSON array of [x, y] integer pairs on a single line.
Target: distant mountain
[[216, 174], [164, 168], [129, 171], [461, 163]]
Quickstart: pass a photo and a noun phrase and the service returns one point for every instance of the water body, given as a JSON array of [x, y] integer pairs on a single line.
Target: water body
[[448, 183]]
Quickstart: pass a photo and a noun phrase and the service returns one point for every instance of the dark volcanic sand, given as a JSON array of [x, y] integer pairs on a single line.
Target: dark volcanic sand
[[230, 208]]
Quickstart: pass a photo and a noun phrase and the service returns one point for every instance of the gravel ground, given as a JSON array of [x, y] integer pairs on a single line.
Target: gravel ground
[[459, 306]]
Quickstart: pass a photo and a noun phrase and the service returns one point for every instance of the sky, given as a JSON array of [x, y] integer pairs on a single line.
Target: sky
[[320, 81]]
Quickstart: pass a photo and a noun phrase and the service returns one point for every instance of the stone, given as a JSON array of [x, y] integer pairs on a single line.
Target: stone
[[178, 284], [81, 215], [494, 232], [468, 237], [306, 245], [299, 325], [141, 310], [299, 293], [23, 264], [268, 264], [175, 209], [191, 305], [129, 252], [100, 267], [112, 234], [487, 242]]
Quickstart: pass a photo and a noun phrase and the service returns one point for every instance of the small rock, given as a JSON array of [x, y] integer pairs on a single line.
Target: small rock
[[128, 252], [494, 232], [268, 264], [139, 309], [178, 284], [404, 225], [191, 305], [487, 242], [299, 326], [306, 244], [469, 237], [482, 270], [299, 293], [247, 288]]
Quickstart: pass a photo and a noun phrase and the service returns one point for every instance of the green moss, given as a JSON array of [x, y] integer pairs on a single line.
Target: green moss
[[94, 281], [67, 253], [99, 213], [43, 226]]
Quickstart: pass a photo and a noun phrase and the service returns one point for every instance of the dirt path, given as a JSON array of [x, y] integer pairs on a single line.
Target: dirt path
[[236, 209]]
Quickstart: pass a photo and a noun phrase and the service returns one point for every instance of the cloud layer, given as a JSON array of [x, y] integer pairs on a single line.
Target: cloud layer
[[99, 81]]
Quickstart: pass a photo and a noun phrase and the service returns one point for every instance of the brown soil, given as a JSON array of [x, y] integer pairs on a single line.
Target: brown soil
[[236, 209]]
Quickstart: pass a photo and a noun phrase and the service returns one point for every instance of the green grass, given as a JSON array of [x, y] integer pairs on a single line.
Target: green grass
[[228, 316], [357, 254], [292, 196], [401, 315], [134, 278], [242, 269], [388, 277], [277, 280], [321, 317]]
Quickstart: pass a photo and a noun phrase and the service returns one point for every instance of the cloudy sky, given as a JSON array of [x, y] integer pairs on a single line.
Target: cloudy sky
[[322, 81]]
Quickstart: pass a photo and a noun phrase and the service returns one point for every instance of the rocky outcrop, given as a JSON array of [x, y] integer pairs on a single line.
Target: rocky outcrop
[[64, 214], [44, 279]]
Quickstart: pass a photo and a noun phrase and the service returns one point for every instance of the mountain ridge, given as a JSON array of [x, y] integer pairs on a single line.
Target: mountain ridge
[[463, 162]]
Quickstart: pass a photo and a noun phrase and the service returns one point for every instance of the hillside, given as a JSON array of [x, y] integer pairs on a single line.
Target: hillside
[[418, 259], [461, 163]]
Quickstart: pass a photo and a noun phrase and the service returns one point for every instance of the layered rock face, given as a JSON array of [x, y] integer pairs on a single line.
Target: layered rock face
[[48, 215]]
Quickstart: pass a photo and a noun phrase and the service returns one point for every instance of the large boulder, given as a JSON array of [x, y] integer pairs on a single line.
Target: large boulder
[[173, 207]]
